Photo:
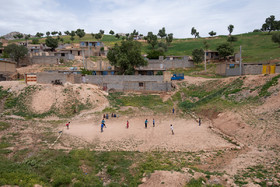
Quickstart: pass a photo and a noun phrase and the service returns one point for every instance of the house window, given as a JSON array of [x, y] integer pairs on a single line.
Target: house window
[[141, 84]]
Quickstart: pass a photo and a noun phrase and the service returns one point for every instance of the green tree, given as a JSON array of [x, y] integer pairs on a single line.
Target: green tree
[[16, 52], [197, 35], [35, 41], [54, 33], [162, 46], [101, 32], [152, 39], [52, 43], [19, 36], [72, 34], [264, 27], [80, 32], [270, 23], [98, 36], [225, 50], [193, 32], [198, 55], [276, 38], [232, 39], [92, 35], [230, 29], [212, 33], [48, 33], [161, 33], [1, 44], [111, 32], [117, 36], [126, 56], [39, 35], [67, 32], [169, 38], [27, 37], [134, 33], [155, 53]]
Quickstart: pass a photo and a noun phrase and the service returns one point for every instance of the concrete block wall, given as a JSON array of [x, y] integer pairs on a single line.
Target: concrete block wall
[[47, 77], [170, 64], [115, 82], [129, 82], [45, 60], [277, 69], [49, 59], [233, 71], [252, 69]]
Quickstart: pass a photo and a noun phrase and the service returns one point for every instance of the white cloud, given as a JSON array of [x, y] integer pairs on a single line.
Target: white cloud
[[177, 16]]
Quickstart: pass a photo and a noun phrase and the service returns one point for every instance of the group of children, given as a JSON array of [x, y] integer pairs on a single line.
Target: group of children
[[127, 122]]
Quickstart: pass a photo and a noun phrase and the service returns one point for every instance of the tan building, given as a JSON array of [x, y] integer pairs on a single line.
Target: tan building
[[7, 68]]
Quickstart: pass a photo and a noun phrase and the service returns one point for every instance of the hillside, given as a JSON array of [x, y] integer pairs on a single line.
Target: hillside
[[237, 143], [256, 47]]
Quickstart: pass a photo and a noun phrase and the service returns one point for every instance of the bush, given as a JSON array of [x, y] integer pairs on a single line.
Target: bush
[[198, 55], [155, 54]]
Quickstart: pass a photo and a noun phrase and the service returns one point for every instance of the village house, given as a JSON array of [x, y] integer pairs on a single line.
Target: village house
[[7, 68], [157, 66], [212, 55], [92, 48]]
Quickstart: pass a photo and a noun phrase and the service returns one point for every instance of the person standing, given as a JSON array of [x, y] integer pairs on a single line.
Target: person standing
[[199, 121], [146, 123], [173, 110], [102, 125], [103, 122], [67, 125], [127, 124], [154, 122], [172, 129]]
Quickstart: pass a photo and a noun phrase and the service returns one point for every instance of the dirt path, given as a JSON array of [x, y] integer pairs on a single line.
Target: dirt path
[[188, 135]]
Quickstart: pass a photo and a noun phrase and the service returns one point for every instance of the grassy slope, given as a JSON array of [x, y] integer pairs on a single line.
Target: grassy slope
[[256, 47]]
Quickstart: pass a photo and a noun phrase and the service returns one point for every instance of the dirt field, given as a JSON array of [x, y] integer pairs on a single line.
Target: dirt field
[[188, 135], [255, 127]]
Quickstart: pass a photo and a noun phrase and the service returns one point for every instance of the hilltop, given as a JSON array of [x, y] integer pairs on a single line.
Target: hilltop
[[256, 46]]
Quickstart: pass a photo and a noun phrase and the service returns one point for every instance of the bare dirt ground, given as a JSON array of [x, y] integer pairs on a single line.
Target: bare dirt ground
[[165, 178], [188, 135], [257, 127]]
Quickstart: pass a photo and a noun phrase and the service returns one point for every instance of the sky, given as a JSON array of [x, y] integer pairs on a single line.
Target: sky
[[123, 16]]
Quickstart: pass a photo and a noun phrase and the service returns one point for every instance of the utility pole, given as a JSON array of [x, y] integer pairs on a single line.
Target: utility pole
[[205, 60], [240, 61], [84, 59]]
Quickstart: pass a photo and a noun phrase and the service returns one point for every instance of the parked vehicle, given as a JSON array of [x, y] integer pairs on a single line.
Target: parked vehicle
[[177, 76]]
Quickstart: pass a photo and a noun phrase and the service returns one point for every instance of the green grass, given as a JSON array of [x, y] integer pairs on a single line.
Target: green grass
[[85, 168], [210, 93], [4, 125], [153, 102], [267, 85]]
